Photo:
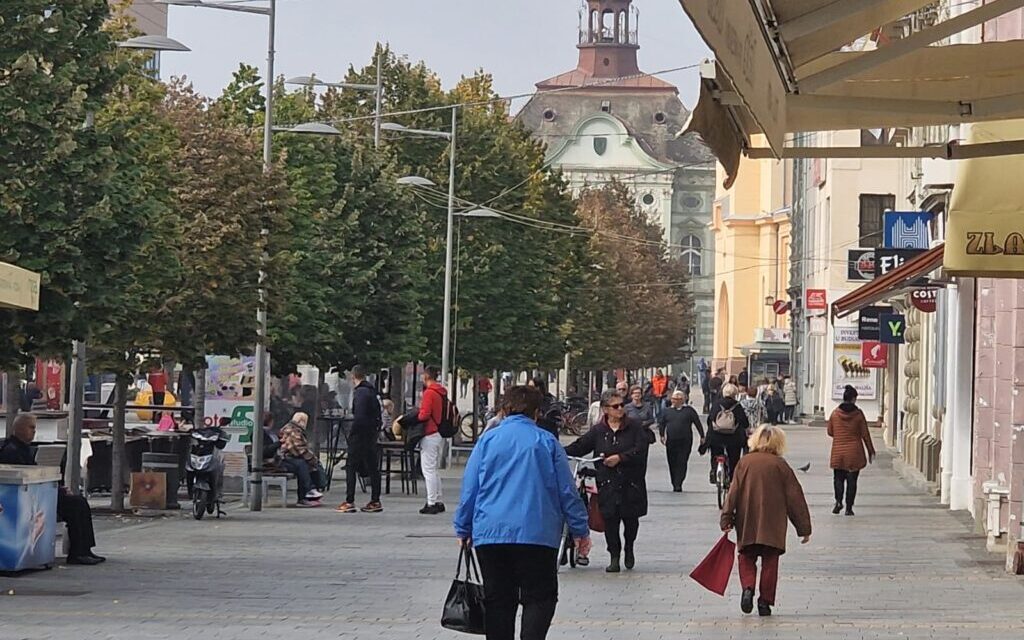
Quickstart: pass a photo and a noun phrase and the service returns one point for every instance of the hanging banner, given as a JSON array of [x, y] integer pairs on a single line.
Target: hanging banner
[[907, 229], [817, 300], [50, 382], [867, 324], [860, 265], [874, 355], [847, 368], [891, 328], [230, 395], [924, 300]]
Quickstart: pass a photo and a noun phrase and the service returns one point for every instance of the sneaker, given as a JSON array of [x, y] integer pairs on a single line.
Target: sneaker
[[314, 495], [306, 504], [346, 507], [836, 509], [372, 507], [430, 510], [713, 479], [440, 507], [763, 609], [747, 601], [849, 511]]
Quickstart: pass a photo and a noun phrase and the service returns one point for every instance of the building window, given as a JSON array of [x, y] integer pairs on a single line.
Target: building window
[[648, 199], [874, 137], [690, 254], [872, 210]]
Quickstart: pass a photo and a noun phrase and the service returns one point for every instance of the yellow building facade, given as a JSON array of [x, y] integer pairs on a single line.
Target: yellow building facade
[[751, 225]]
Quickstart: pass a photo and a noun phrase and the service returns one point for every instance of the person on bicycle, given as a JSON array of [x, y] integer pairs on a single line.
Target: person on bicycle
[[727, 430], [549, 418], [622, 442]]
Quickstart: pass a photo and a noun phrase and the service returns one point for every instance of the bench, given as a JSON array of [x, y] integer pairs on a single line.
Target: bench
[[270, 478]]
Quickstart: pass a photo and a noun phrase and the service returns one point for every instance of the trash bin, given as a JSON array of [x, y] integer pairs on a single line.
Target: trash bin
[[166, 463], [28, 516]]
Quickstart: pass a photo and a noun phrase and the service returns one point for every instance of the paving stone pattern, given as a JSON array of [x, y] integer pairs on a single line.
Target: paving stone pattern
[[902, 568]]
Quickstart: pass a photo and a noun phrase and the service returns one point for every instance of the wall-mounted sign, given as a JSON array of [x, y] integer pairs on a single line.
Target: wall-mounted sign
[[781, 307], [772, 334], [892, 328], [847, 368], [924, 300], [819, 327], [907, 229], [867, 324], [860, 265], [874, 355], [817, 300], [887, 260]]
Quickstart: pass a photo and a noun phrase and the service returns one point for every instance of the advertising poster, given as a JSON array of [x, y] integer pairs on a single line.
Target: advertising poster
[[847, 368], [230, 393], [28, 525]]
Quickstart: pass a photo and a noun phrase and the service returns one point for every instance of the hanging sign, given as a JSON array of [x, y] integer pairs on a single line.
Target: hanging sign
[[817, 300], [867, 324], [819, 327], [907, 229], [860, 265], [781, 307], [874, 355], [892, 328], [924, 300], [887, 260]]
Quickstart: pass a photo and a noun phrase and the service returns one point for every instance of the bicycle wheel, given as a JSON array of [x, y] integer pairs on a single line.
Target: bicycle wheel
[[466, 427], [577, 424]]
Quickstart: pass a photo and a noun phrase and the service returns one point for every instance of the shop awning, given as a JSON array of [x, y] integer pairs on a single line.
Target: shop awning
[[788, 66], [901, 280], [19, 288]]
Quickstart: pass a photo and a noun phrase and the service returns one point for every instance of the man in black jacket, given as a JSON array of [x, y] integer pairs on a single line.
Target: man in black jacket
[[73, 510], [676, 425], [363, 448]]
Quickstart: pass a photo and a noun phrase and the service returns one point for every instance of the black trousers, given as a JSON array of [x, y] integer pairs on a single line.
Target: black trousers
[[306, 477], [75, 512], [678, 453], [841, 478], [630, 526], [363, 460], [517, 574], [158, 400]]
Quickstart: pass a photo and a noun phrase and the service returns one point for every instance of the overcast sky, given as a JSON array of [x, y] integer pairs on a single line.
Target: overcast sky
[[519, 41]]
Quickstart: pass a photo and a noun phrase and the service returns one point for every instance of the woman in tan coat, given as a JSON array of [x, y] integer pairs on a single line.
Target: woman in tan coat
[[850, 438], [764, 497]]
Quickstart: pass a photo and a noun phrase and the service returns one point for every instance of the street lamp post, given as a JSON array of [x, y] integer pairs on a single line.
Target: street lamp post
[[446, 335], [262, 363], [377, 89]]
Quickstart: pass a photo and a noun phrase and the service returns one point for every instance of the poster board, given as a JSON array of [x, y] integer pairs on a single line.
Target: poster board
[[847, 368]]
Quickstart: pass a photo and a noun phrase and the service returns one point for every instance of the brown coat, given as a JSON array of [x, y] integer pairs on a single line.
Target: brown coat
[[850, 437], [764, 495]]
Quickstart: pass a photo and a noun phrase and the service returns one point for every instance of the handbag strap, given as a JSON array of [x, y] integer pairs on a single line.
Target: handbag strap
[[472, 567], [458, 566]]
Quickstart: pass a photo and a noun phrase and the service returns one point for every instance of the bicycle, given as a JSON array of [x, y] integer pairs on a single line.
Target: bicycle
[[722, 478], [567, 546], [475, 422]]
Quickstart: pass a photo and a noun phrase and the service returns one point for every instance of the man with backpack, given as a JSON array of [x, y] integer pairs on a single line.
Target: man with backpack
[[439, 417], [727, 429], [363, 447]]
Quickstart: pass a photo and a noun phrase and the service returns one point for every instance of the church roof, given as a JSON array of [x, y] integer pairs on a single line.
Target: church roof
[[582, 78]]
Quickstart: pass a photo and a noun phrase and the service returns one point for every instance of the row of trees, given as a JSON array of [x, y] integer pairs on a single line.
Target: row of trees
[[142, 204]]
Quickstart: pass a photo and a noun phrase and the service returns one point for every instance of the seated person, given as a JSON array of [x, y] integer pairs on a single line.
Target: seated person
[[73, 510], [297, 458]]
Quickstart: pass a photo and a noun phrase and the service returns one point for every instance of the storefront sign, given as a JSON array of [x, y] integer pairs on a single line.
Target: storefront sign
[[924, 300], [887, 260], [860, 265], [817, 300], [230, 392], [907, 229], [847, 368], [772, 334], [781, 307], [874, 355], [891, 328], [867, 324], [19, 288]]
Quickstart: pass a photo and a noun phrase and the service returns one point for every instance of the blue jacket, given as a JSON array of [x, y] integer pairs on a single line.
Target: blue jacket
[[518, 489]]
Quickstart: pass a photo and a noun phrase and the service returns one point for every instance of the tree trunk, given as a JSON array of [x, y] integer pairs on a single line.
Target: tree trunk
[[12, 398], [315, 418], [396, 376], [495, 389], [199, 399], [118, 457], [477, 427]]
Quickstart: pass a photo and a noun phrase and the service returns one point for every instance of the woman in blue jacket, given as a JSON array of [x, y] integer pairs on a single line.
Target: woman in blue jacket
[[517, 493]]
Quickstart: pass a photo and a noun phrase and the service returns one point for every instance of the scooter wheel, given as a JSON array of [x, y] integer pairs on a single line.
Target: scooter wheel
[[198, 503]]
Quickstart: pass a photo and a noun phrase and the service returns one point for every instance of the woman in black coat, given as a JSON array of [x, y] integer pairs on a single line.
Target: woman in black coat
[[734, 444], [621, 477]]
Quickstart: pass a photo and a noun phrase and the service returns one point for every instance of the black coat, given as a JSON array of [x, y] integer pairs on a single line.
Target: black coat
[[622, 490], [677, 425], [366, 419], [736, 441]]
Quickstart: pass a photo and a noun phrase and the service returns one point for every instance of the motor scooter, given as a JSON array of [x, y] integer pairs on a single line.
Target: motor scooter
[[206, 470]]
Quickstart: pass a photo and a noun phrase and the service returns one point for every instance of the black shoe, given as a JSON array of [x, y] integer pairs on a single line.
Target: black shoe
[[430, 510], [630, 558], [763, 609], [613, 566], [712, 478], [84, 560], [836, 509], [96, 557], [677, 489], [747, 601], [849, 511], [440, 507]]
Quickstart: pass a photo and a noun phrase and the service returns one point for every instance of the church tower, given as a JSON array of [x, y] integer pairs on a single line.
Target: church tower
[[608, 38]]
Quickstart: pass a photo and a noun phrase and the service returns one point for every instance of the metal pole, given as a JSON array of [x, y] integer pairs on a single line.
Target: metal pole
[[76, 413], [380, 101], [261, 313], [447, 335]]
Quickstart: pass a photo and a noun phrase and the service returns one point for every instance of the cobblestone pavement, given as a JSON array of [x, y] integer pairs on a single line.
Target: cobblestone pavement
[[902, 568]]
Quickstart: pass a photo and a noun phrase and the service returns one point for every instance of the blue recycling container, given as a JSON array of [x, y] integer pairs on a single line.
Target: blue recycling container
[[28, 516]]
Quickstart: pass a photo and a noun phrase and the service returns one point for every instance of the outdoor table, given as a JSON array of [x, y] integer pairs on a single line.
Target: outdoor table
[[28, 516]]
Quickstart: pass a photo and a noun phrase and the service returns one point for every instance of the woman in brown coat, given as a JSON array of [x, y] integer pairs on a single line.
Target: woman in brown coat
[[764, 497], [850, 437]]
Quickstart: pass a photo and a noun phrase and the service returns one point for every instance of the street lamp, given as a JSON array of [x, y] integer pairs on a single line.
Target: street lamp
[[479, 213], [270, 11], [377, 89], [153, 43], [310, 128], [446, 336]]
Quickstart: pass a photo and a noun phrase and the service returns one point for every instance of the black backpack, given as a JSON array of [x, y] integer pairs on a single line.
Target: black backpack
[[449, 422]]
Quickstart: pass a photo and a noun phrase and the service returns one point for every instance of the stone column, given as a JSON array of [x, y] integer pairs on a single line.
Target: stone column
[[961, 415]]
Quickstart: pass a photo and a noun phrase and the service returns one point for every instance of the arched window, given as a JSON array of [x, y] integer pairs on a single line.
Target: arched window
[[594, 24], [621, 30], [690, 253], [607, 26]]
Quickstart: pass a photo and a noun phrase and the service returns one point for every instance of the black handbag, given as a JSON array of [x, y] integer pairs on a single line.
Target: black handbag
[[464, 606], [412, 429]]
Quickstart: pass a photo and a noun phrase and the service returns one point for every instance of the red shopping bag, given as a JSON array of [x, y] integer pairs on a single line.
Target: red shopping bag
[[714, 570]]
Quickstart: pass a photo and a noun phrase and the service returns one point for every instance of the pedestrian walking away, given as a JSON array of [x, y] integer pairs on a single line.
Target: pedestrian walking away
[[550, 417], [431, 411], [790, 398], [764, 497], [363, 444], [517, 492], [727, 434], [623, 444], [675, 425], [298, 459], [73, 510], [852, 449], [752, 405]]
